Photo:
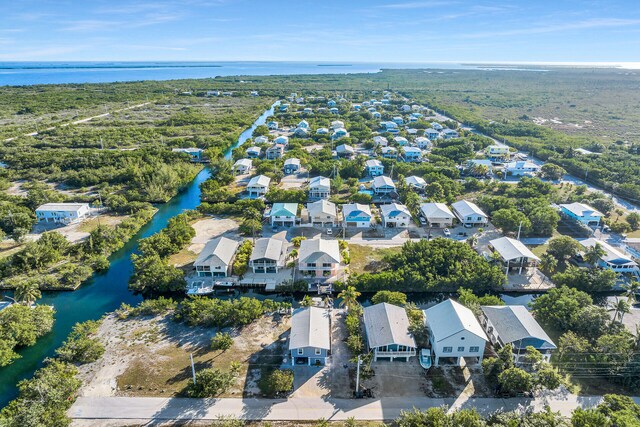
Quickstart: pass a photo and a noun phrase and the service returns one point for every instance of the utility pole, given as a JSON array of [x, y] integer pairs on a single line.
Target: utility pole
[[357, 377], [519, 229], [193, 368]]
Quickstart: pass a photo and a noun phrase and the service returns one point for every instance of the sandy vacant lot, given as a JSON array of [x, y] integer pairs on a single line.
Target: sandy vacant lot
[[206, 229]]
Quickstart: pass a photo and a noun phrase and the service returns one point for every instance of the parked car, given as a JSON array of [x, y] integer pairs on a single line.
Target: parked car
[[447, 232], [329, 231], [423, 221]]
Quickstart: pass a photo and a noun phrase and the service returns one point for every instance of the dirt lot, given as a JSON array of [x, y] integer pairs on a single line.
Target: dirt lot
[[79, 231], [150, 356], [206, 229], [367, 259]]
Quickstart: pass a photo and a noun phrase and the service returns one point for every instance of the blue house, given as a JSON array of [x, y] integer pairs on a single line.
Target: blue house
[[387, 330], [582, 213], [356, 215], [310, 339]]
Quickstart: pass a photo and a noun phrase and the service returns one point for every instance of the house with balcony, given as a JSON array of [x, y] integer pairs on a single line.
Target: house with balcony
[[498, 153], [345, 150], [395, 215], [323, 213], [389, 152], [437, 215], [319, 258], [401, 141], [356, 215], [514, 324], [275, 152], [216, 258], [334, 110], [310, 337], [383, 185], [415, 182], [454, 333], [374, 167], [437, 126], [411, 154], [253, 152], [258, 186], [322, 131], [301, 133], [387, 330], [336, 124], [513, 254], [272, 125], [242, 166], [319, 188], [424, 143], [469, 214], [267, 255], [398, 120], [449, 134], [380, 141], [339, 133], [285, 214], [291, 166], [582, 213], [282, 140], [62, 213], [613, 259], [303, 124], [432, 134], [521, 168]]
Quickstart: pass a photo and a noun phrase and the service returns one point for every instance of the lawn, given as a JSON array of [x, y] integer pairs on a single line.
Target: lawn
[[368, 259]]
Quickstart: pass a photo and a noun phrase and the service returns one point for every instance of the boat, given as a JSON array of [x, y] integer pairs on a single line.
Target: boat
[[425, 358], [200, 288]]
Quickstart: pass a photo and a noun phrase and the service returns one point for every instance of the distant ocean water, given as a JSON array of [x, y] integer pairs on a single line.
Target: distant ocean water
[[32, 73]]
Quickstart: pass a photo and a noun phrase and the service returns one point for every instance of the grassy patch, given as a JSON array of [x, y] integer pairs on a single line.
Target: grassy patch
[[367, 259]]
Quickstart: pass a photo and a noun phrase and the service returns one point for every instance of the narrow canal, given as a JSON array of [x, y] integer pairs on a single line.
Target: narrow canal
[[104, 292]]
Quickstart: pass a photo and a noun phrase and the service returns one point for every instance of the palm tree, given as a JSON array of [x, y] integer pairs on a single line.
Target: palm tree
[[548, 263], [349, 297], [620, 308], [306, 301], [293, 254], [594, 253], [27, 293], [632, 290]]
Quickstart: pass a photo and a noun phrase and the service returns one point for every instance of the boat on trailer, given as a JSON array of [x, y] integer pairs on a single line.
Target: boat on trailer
[[425, 358]]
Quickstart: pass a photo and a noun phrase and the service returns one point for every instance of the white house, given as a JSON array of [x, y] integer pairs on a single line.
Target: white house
[[253, 152], [454, 332], [613, 259], [424, 143], [336, 124], [258, 186], [437, 126], [63, 213], [401, 140], [356, 215], [437, 215], [319, 258], [303, 124], [415, 182], [285, 214], [411, 154], [582, 213], [323, 212], [497, 152], [215, 259], [380, 141], [274, 152], [375, 114], [389, 126], [267, 255], [319, 187], [322, 131], [513, 253], [301, 133], [242, 166], [383, 185], [521, 167], [334, 110], [389, 152], [194, 153], [469, 214], [387, 330], [291, 165], [261, 139], [395, 215], [513, 324], [374, 167], [310, 337]]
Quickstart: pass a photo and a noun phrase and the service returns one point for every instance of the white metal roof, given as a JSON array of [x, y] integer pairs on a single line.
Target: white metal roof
[[415, 181], [65, 207], [515, 323], [387, 324], [244, 162], [259, 181], [436, 210], [322, 207], [310, 327], [465, 208], [450, 317], [383, 181], [221, 248], [292, 161], [509, 249], [267, 248], [356, 209], [581, 209], [394, 209], [320, 181], [373, 163], [312, 250], [612, 255]]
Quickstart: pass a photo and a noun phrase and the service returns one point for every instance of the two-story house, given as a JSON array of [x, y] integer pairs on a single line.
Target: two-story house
[[395, 215], [267, 255], [258, 186], [216, 258], [356, 215], [310, 338], [285, 214], [582, 213], [374, 167], [469, 214], [513, 254], [242, 166], [62, 213], [319, 258], [437, 215], [387, 330], [291, 166], [323, 213], [383, 185]]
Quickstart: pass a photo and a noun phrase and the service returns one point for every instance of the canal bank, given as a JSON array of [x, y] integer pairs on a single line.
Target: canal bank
[[104, 292]]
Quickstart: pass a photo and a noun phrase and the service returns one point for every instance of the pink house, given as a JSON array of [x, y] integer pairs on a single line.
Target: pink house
[[319, 258]]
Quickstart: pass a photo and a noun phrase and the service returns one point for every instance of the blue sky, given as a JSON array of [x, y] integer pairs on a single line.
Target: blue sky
[[321, 30]]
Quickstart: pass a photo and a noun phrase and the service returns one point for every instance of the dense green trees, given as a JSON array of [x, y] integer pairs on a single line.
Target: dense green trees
[[21, 326], [586, 279], [221, 313], [391, 297], [82, 346]]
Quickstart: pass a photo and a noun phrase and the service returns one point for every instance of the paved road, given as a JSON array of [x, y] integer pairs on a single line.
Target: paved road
[[157, 409]]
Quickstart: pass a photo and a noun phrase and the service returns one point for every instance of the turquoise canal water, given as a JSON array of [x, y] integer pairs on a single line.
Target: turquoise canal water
[[105, 292]]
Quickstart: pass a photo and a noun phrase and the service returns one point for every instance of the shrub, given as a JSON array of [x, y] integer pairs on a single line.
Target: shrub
[[221, 341], [81, 346], [212, 382], [277, 382], [515, 380]]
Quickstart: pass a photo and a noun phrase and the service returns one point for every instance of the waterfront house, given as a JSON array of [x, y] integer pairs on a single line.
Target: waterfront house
[[258, 186], [380, 141], [513, 253], [356, 215], [395, 215], [415, 182], [345, 150], [374, 167], [322, 212], [582, 213], [387, 330], [253, 152], [431, 134], [401, 140], [319, 258], [285, 214], [513, 324], [275, 152], [194, 153], [319, 187], [411, 154], [215, 259], [339, 133], [291, 165], [389, 152], [62, 213], [469, 214], [437, 215], [267, 255], [521, 167], [310, 337], [272, 125], [242, 166], [383, 185], [613, 259], [454, 332]]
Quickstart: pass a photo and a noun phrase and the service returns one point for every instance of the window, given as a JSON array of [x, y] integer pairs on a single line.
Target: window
[[460, 348], [318, 352], [311, 264], [474, 349], [447, 349], [300, 351], [326, 264]]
